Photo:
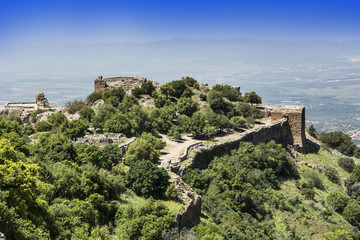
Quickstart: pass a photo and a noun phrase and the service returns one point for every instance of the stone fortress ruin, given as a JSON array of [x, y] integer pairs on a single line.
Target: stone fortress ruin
[[295, 115], [24, 109], [285, 124], [127, 83]]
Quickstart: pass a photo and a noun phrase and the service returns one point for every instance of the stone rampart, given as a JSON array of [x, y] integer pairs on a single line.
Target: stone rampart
[[277, 131], [127, 83], [296, 121], [190, 215]]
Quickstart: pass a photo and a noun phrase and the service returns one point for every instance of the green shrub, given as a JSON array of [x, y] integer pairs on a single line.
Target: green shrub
[[252, 97], [87, 113], [147, 87], [352, 213], [340, 141], [312, 179], [58, 119], [308, 193], [347, 164], [339, 234], [187, 93], [141, 150], [93, 97], [136, 92], [337, 200], [228, 92], [75, 106], [186, 106], [43, 126], [203, 97], [357, 153], [332, 175], [189, 81], [312, 131], [172, 192], [238, 122]]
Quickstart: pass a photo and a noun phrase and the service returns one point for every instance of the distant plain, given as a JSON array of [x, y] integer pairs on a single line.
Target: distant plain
[[322, 75]]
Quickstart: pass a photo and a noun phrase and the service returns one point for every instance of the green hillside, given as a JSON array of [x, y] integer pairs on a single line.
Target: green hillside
[[56, 185]]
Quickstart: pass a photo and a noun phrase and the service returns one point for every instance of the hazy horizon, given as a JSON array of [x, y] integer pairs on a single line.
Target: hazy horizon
[[298, 52]]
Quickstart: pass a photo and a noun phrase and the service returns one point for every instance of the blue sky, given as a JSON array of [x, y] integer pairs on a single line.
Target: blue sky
[[85, 22]]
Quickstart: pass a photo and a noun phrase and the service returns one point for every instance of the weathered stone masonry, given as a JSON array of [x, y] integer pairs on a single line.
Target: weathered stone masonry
[[127, 83]]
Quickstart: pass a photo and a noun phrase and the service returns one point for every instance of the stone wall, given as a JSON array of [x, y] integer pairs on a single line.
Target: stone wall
[[296, 120], [24, 109], [277, 131], [280, 131], [127, 83]]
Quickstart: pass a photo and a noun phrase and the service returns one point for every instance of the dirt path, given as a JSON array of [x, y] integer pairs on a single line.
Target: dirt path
[[173, 150]]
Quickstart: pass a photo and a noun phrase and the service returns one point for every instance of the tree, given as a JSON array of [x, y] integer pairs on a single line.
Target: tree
[[147, 221], [141, 150], [76, 129], [118, 93], [167, 89], [357, 153], [312, 131], [189, 81], [146, 179], [340, 141], [332, 175], [238, 122], [87, 113], [147, 87], [218, 121], [163, 117], [252, 97], [136, 92], [186, 106], [43, 126], [57, 119], [75, 106], [194, 125], [228, 92], [352, 213]]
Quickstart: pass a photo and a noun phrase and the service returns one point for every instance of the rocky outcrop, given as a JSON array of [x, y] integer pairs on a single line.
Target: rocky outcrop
[[127, 83]]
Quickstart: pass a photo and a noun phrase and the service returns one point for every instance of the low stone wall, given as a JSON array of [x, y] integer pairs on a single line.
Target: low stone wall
[[188, 149]]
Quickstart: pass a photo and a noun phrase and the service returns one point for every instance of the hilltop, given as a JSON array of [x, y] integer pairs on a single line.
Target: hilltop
[[140, 160]]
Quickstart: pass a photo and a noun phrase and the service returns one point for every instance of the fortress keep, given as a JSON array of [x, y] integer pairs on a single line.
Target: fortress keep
[[127, 83]]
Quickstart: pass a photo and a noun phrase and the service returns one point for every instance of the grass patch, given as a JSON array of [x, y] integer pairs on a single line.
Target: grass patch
[[174, 206]]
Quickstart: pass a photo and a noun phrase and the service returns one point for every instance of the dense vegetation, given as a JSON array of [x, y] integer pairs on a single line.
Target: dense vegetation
[[53, 187]]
